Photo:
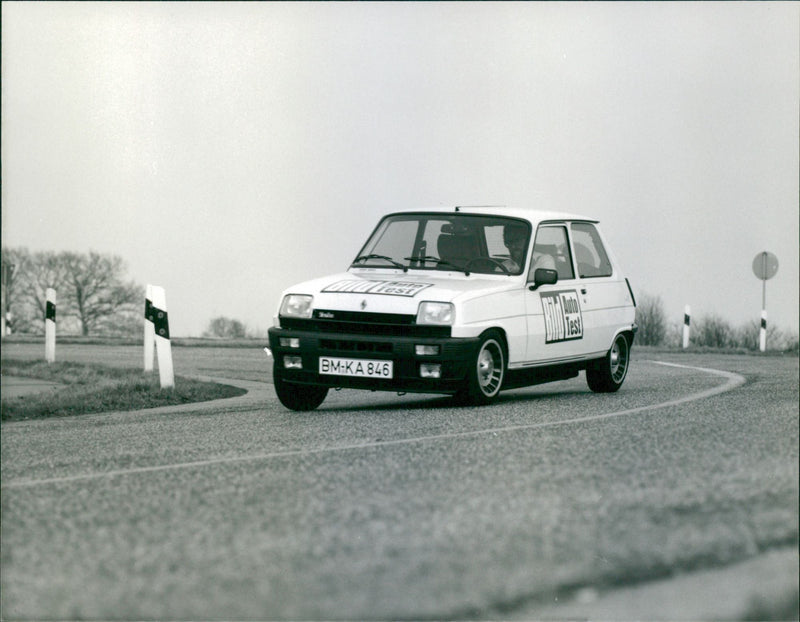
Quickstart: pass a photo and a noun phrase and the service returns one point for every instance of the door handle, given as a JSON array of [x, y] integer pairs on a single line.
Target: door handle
[[583, 291]]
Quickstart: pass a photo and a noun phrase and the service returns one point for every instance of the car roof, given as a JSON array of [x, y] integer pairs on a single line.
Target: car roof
[[531, 215]]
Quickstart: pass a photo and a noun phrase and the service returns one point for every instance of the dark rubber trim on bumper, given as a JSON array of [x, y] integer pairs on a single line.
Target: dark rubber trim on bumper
[[454, 356]]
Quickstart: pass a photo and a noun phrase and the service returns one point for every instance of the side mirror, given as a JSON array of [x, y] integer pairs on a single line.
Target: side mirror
[[543, 276]]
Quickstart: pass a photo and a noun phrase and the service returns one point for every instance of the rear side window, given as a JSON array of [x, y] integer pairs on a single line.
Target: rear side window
[[590, 255]]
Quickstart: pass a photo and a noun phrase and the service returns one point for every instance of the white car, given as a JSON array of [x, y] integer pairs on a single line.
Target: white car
[[463, 301]]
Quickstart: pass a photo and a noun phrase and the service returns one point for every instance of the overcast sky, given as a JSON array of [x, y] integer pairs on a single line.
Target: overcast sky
[[228, 150]]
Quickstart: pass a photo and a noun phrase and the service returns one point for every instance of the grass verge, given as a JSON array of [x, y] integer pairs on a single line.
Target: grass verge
[[97, 388]]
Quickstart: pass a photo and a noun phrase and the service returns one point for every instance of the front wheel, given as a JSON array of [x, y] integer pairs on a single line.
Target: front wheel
[[485, 375], [607, 374], [300, 397]]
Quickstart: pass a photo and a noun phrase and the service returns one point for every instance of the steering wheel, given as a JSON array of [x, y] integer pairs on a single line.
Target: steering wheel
[[496, 263]]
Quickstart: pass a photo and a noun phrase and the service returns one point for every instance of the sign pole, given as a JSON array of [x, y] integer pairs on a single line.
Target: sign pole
[[762, 331], [765, 266]]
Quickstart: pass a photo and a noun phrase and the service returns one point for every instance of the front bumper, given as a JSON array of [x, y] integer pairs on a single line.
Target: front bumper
[[454, 358]]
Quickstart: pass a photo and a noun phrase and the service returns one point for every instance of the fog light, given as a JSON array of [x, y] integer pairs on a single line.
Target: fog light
[[430, 370], [292, 362], [290, 342], [423, 350]]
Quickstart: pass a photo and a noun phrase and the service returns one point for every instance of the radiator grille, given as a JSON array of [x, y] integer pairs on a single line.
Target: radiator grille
[[344, 345], [358, 323]]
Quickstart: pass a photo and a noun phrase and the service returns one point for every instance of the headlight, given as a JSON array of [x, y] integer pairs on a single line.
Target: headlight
[[296, 305], [442, 313]]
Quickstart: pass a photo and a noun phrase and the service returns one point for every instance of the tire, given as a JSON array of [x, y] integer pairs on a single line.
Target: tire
[[300, 397], [607, 374], [486, 372]]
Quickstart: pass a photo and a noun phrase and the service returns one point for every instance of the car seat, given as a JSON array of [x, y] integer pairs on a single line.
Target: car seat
[[457, 249]]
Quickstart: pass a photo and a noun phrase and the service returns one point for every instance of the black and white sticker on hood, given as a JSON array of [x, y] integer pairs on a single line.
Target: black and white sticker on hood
[[386, 288]]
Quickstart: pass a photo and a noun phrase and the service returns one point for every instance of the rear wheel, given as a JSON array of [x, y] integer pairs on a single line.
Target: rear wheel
[[608, 374], [485, 375], [300, 397]]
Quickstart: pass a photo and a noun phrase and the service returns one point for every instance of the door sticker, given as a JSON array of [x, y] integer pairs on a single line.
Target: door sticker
[[562, 316]]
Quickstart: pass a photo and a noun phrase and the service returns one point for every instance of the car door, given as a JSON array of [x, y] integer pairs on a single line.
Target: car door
[[555, 318], [604, 293]]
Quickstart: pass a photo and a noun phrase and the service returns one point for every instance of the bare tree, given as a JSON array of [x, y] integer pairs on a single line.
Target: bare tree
[[95, 288], [15, 264], [27, 291], [712, 331], [225, 328], [91, 289], [652, 321], [43, 270]]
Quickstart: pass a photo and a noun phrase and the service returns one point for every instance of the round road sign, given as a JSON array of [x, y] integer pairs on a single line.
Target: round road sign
[[765, 265]]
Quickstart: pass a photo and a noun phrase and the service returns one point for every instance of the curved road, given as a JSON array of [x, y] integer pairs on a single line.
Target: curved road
[[378, 506]]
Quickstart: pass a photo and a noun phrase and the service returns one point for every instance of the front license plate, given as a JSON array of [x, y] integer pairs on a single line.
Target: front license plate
[[361, 368]]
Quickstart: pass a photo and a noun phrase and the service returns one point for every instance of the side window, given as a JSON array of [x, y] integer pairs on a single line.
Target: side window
[[590, 255], [551, 250]]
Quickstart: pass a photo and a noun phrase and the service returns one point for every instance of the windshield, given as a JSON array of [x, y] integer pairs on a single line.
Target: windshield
[[467, 243]]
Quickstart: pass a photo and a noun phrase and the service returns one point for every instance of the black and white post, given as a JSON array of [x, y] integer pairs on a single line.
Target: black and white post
[[5, 304], [50, 326], [149, 330], [687, 322], [160, 320]]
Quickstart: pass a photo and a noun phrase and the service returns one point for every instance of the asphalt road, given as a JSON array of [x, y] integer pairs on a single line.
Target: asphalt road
[[377, 506]]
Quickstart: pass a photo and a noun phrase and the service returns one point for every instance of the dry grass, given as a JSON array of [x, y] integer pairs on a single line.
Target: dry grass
[[97, 388]]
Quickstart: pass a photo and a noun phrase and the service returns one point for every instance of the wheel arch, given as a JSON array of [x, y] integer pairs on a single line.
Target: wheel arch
[[500, 331], [628, 333]]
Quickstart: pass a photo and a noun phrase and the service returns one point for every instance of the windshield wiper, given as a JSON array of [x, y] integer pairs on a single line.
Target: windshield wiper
[[396, 264], [439, 262]]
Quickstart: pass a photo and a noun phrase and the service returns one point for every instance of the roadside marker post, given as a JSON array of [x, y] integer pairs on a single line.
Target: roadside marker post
[[5, 303], [160, 320], [50, 326], [687, 321], [149, 330], [765, 266]]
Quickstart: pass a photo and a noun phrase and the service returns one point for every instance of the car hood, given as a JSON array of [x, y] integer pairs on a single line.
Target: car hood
[[399, 292]]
